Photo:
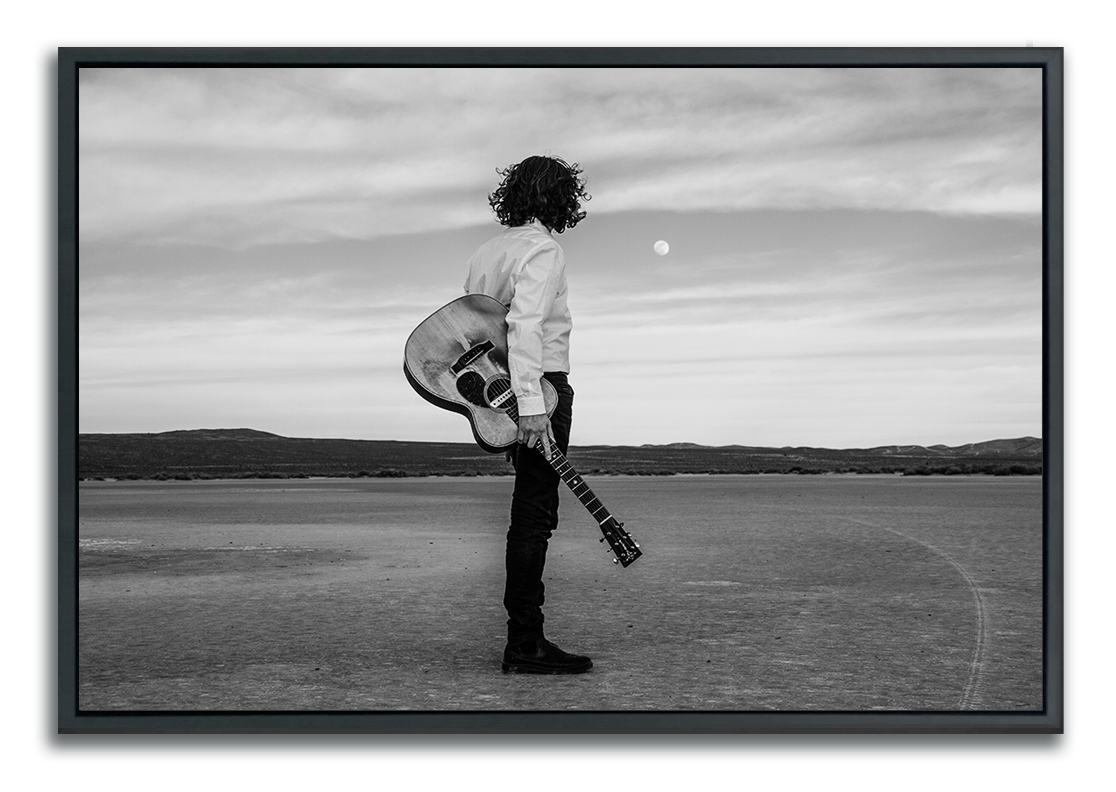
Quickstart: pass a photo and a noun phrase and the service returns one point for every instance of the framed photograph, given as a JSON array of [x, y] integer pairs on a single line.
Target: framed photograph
[[322, 315]]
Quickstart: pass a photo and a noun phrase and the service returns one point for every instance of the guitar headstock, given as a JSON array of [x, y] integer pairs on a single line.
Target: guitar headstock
[[620, 541]]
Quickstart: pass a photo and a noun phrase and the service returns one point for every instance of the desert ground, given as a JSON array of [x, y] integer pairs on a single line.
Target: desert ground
[[755, 593]]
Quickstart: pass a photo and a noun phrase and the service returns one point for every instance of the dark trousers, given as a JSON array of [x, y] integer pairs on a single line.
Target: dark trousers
[[534, 516]]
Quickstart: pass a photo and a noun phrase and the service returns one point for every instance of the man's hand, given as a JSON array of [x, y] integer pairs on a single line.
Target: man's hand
[[533, 428]]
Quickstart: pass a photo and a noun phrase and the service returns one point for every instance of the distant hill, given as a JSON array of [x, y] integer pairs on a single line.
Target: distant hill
[[216, 434], [1019, 447], [249, 453]]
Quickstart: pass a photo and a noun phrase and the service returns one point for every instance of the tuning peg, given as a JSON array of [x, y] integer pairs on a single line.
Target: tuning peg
[[616, 560]]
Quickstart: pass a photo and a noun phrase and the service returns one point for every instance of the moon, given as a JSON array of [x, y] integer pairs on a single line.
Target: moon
[[662, 248]]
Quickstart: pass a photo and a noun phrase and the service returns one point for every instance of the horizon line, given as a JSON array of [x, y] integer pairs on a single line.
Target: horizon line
[[583, 445]]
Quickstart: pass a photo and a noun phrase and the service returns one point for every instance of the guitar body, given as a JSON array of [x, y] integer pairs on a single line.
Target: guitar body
[[457, 359]]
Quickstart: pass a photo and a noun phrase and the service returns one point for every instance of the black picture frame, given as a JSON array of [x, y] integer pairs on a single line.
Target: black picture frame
[[1050, 720]]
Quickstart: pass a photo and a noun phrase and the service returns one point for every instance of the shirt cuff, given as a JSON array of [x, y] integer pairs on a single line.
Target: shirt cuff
[[531, 405]]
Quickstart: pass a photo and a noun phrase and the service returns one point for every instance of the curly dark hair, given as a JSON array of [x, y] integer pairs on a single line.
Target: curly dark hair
[[547, 189]]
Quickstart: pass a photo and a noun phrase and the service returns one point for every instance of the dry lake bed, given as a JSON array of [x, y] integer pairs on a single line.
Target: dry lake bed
[[754, 593]]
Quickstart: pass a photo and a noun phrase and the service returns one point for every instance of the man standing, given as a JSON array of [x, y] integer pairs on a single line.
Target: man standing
[[524, 269]]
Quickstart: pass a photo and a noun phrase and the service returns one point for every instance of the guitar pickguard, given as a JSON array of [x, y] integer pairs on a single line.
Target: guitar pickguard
[[471, 385]]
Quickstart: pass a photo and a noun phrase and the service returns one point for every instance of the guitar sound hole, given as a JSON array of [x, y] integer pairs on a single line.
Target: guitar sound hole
[[497, 392]]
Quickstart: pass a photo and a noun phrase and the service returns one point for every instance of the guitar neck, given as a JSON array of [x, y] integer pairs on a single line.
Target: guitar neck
[[620, 542], [574, 481]]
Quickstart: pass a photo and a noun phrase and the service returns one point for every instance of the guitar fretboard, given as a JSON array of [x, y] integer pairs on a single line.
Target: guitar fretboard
[[575, 482]]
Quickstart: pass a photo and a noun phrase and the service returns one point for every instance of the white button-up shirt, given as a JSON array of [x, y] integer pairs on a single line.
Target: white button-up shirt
[[525, 270]]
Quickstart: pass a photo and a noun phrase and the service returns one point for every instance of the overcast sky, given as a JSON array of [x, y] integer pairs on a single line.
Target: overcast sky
[[855, 253]]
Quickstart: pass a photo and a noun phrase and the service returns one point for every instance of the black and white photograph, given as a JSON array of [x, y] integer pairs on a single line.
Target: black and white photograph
[[532, 389]]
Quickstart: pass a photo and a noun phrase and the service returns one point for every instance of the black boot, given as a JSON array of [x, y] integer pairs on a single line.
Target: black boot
[[540, 656]]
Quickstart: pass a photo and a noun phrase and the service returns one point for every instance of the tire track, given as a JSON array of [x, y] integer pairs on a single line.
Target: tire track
[[970, 692]]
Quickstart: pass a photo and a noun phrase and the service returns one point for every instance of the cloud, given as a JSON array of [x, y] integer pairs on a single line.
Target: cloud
[[855, 254], [250, 156], [792, 327]]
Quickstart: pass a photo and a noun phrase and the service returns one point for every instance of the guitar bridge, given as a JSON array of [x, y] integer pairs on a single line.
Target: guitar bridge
[[470, 356]]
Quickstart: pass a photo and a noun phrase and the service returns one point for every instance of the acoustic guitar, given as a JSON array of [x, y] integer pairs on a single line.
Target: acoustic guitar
[[457, 359]]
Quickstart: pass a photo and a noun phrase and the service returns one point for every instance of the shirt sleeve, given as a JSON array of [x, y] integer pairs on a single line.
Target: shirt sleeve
[[533, 298]]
